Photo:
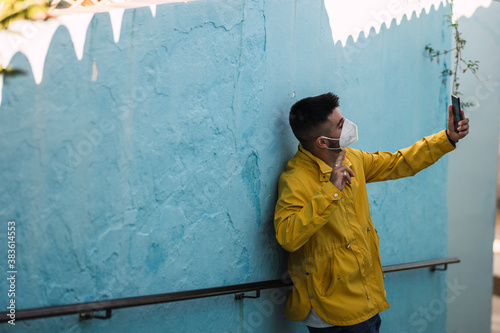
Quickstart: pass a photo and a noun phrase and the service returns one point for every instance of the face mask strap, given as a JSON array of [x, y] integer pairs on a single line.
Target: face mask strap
[[325, 137]]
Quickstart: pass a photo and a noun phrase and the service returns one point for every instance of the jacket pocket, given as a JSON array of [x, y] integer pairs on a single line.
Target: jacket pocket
[[327, 281]]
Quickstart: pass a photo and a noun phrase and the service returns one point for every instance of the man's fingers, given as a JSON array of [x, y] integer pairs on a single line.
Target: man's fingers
[[347, 178], [345, 168], [464, 121], [341, 158], [341, 175], [349, 170], [345, 171], [463, 125]]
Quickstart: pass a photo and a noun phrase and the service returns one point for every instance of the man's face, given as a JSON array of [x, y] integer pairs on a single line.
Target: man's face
[[337, 121], [333, 129]]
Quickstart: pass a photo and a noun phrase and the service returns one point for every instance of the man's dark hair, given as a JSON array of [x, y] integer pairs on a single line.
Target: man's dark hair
[[309, 114]]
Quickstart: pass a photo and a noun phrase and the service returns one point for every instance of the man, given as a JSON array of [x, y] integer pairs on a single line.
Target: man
[[322, 216]]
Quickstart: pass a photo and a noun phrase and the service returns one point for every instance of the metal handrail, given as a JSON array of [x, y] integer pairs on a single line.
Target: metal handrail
[[422, 264], [86, 310]]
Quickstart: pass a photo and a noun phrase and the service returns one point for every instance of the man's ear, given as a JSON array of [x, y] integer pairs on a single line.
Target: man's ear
[[321, 142]]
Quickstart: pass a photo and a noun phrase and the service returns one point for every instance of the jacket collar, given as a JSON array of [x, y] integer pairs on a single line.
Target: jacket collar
[[324, 169]]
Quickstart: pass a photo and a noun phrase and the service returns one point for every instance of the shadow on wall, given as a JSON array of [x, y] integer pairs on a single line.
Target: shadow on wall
[[150, 165]]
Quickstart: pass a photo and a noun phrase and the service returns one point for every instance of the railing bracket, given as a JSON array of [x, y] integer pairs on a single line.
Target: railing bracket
[[91, 315], [240, 296], [434, 268]]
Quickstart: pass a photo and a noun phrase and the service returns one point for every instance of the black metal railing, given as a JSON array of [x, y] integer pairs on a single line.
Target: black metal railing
[[87, 310]]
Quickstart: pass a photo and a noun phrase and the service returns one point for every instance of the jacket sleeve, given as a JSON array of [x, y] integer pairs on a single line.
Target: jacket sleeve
[[298, 215], [406, 162]]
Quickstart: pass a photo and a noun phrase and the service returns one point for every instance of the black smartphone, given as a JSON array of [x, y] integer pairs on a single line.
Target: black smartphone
[[455, 101]]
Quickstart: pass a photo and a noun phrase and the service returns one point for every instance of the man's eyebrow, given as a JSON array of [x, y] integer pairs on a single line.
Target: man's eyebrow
[[340, 122]]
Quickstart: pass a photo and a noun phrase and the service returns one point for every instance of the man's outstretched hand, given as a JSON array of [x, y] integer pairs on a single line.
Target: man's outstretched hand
[[463, 126]]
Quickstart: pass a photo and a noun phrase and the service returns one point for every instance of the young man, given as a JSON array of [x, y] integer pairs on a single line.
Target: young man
[[322, 216]]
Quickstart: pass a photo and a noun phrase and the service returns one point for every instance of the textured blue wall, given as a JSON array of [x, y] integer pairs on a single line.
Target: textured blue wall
[[160, 176]]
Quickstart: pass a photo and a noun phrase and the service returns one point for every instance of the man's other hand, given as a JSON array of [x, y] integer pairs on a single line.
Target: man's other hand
[[463, 125]]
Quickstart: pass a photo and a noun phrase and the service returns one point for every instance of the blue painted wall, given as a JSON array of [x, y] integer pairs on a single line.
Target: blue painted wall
[[160, 176]]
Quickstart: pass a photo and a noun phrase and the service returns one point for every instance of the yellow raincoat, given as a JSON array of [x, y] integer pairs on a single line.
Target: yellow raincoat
[[334, 259]]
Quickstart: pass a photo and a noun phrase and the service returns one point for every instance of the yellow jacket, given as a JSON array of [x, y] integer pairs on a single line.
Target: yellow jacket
[[334, 259]]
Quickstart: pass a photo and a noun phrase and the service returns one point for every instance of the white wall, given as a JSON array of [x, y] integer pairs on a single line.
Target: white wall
[[472, 180]]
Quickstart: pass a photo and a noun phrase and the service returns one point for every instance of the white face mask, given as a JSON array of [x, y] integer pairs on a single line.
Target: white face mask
[[348, 136]]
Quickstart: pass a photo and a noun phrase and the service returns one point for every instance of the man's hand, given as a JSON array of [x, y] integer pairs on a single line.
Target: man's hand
[[341, 174], [463, 126]]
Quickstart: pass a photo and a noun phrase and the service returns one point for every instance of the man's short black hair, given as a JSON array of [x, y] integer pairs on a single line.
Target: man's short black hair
[[309, 114]]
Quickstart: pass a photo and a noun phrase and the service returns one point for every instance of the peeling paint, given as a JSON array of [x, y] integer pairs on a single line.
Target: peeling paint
[[95, 71], [251, 179]]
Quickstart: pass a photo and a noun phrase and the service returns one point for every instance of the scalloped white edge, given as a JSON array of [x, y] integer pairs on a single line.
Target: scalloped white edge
[[153, 10], [33, 38], [116, 17], [77, 26], [350, 19]]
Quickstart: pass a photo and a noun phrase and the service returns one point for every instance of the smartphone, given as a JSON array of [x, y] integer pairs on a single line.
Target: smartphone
[[455, 101]]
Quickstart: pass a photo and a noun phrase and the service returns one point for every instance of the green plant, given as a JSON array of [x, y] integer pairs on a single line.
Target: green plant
[[460, 65]]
